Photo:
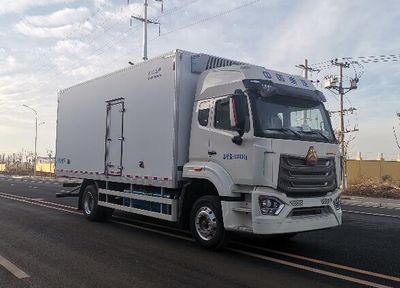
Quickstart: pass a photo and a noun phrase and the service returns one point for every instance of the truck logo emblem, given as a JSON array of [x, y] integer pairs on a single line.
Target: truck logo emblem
[[311, 158]]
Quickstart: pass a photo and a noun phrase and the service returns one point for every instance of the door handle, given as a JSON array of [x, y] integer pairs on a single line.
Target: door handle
[[211, 152]]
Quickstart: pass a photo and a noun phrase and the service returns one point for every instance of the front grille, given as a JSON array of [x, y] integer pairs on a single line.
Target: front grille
[[297, 179], [310, 211]]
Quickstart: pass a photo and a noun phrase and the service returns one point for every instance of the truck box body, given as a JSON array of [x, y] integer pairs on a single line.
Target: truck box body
[[149, 111]]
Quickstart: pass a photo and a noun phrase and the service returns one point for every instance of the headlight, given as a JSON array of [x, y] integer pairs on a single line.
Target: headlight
[[270, 205], [336, 203]]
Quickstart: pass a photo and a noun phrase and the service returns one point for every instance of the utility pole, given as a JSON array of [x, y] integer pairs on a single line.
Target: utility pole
[[146, 21], [305, 68], [341, 95], [36, 127], [336, 83]]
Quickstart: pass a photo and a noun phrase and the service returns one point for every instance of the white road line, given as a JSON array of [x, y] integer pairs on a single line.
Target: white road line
[[310, 269], [12, 268], [153, 230], [371, 214], [270, 259], [39, 203], [317, 261], [326, 263], [33, 199]]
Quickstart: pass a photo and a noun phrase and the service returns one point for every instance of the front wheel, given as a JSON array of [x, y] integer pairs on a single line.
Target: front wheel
[[206, 222]]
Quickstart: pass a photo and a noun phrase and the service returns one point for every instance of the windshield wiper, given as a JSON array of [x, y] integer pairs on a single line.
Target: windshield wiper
[[285, 130], [317, 132]]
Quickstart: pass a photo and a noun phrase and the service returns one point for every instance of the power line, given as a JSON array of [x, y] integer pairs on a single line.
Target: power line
[[383, 58], [222, 13], [45, 65], [113, 42]]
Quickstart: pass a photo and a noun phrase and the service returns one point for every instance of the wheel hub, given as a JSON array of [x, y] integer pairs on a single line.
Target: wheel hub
[[206, 223], [88, 203]]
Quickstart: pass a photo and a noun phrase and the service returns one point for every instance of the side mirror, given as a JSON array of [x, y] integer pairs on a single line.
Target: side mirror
[[238, 115]]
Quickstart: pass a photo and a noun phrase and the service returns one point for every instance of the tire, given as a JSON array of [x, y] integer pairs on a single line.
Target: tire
[[206, 223], [90, 209]]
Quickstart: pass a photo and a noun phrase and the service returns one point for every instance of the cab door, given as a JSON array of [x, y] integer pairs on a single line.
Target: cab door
[[200, 132], [235, 159]]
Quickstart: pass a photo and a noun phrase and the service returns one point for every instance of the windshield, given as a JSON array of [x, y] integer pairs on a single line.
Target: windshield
[[292, 118]]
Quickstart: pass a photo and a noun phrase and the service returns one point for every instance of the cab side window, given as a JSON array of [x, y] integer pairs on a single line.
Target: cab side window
[[221, 115], [203, 113]]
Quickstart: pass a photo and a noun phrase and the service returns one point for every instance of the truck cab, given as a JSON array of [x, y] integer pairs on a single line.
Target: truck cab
[[265, 140]]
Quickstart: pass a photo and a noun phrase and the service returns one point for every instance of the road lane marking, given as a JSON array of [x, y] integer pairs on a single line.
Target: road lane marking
[[310, 269], [152, 230], [36, 200], [39, 204], [270, 259], [300, 257], [371, 214], [326, 263], [12, 268]]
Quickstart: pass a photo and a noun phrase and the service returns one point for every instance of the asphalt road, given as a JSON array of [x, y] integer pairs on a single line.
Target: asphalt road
[[46, 242]]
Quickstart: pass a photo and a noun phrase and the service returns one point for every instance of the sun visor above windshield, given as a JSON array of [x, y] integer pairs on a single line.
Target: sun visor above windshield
[[267, 88], [285, 83]]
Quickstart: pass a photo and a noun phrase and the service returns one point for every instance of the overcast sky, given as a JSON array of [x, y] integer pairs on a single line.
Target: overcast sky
[[47, 45]]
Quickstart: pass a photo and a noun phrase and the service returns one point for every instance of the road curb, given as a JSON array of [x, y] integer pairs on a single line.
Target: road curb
[[371, 202]]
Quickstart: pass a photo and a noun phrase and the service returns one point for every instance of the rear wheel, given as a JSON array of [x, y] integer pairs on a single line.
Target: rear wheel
[[206, 222], [91, 210]]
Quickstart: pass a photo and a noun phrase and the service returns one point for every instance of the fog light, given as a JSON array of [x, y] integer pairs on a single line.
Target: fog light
[[270, 205], [336, 203]]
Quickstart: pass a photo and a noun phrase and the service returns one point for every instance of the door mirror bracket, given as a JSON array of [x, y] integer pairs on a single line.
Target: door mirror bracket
[[237, 106]]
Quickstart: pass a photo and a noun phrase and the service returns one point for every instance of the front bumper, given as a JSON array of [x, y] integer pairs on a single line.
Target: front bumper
[[288, 221], [293, 217]]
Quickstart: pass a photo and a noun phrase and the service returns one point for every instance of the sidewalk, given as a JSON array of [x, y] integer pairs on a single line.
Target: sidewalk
[[371, 202]]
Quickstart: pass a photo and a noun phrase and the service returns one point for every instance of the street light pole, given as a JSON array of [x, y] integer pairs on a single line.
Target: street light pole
[[36, 128]]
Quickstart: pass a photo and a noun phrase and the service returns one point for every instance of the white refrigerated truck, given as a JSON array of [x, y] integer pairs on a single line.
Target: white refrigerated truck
[[208, 142]]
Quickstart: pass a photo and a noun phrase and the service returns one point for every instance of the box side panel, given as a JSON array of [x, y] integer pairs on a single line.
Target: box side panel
[[149, 121], [149, 92]]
